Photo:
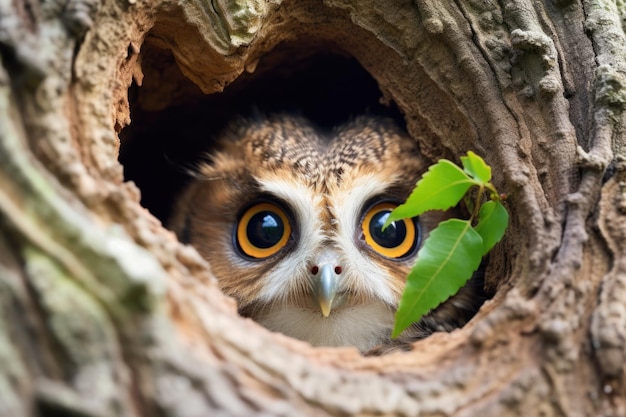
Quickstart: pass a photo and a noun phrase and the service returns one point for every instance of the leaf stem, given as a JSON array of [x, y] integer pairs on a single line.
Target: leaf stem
[[477, 205], [494, 193]]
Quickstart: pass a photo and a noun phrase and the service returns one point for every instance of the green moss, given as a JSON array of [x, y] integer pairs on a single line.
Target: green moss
[[74, 318], [610, 87]]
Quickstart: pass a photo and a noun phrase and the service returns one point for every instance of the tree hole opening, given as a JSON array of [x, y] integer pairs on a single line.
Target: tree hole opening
[[174, 124]]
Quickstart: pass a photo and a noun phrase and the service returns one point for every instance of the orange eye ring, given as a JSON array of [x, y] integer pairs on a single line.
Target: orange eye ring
[[263, 230], [398, 240]]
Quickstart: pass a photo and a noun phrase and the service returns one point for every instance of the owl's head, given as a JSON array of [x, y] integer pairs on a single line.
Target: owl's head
[[290, 218]]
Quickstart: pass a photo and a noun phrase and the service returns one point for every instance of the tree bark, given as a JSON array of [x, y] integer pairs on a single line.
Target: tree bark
[[104, 313]]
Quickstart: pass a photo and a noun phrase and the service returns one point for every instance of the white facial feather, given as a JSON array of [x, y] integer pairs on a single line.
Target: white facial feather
[[306, 204], [361, 271], [358, 324], [347, 205]]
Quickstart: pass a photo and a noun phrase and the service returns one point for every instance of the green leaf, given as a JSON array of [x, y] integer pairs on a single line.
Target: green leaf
[[451, 253], [492, 222], [476, 167], [442, 187]]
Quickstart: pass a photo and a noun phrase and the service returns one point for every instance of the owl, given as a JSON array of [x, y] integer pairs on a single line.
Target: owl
[[290, 218]]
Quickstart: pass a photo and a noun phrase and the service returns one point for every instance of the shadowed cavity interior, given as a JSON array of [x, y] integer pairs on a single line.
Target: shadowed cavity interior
[[174, 125]]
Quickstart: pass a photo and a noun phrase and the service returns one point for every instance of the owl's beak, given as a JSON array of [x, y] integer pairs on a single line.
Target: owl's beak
[[326, 288]]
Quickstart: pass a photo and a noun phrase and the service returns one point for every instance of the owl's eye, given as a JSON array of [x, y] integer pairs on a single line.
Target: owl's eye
[[399, 239], [263, 230]]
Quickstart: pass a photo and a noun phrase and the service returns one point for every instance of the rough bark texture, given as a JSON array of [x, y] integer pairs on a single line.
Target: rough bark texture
[[104, 313]]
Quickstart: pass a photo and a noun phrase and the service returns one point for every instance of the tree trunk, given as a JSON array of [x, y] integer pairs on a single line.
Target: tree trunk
[[104, 313]]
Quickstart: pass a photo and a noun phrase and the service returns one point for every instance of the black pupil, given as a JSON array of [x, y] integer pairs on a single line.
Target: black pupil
[[265, 229], [394, 234]]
